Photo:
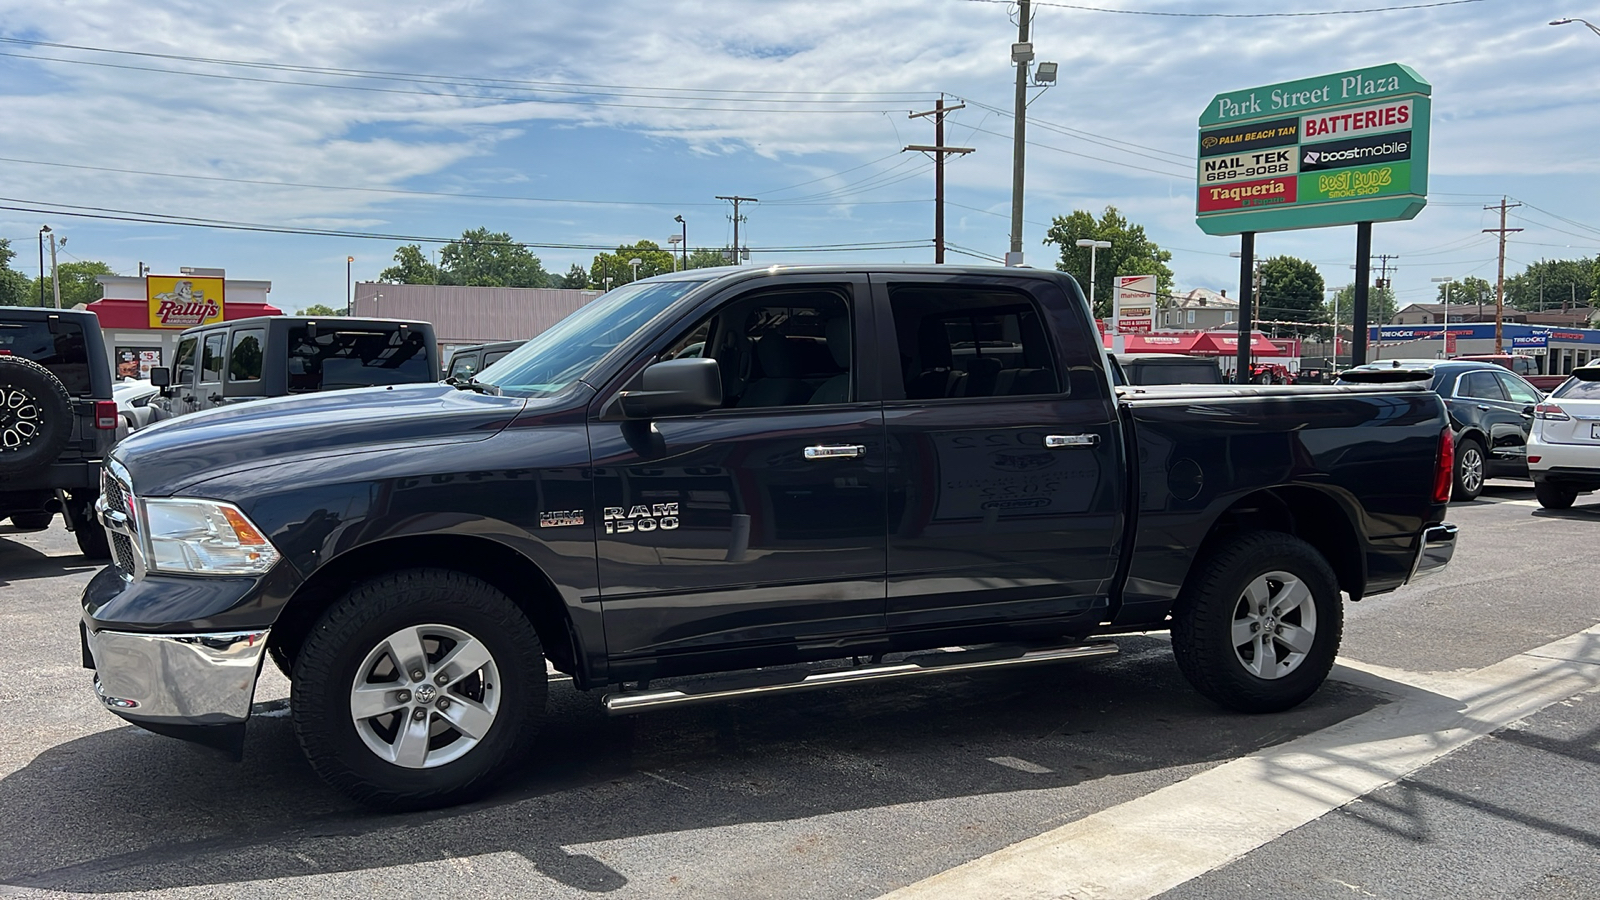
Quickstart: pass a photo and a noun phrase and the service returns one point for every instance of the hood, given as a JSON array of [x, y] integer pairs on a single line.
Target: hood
[[176, 453]]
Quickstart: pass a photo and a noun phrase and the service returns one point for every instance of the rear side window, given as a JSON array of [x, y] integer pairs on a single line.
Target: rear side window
[[183, 361], [64, 352], [1189, 373], [211, 358], [244, 356], [343, 359], [1480, 386], [494, 356], [971, 342]]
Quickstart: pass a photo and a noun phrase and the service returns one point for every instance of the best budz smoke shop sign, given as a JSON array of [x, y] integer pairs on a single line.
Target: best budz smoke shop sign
[[1334, 150]]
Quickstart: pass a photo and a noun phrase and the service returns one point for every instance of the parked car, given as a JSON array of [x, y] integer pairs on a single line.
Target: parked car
[[1168, 368], [1524, 366], [1491, 411], [1564, 448], [133, 396], [275, 356], [57, 420], [469, 361], [853, 462]]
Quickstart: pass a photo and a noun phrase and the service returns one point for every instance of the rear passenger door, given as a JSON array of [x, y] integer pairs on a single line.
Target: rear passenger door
[[1006, 473], [1499, 418]]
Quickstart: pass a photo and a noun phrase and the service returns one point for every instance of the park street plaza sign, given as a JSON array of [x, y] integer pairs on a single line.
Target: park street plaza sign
[[1333, 150]]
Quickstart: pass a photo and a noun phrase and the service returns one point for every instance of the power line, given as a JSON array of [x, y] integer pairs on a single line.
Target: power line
[[1113, 162], [1209, 15], [1089, 136]]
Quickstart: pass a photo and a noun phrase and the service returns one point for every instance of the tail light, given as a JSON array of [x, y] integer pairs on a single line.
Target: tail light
[[1445, 475], [105, 415], [1550, 412]]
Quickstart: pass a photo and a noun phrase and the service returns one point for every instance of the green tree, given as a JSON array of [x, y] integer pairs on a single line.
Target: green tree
[[1380, 306], [575, 279], [320, 309], [1130, 253], [1549, 283], [491, 259], [78, 284], [411, 267], [1470, 290], [705, 259], [1292, 290], [16, 289], [618, 267]]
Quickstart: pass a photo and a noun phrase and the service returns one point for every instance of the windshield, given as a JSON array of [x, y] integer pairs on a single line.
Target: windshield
[[567, 352]]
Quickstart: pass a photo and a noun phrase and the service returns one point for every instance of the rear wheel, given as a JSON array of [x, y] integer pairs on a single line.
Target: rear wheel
[[93, 542], [33, 521], [35, 416], [418, 689], [1470, 470], [1257, 625], [1553, 496]]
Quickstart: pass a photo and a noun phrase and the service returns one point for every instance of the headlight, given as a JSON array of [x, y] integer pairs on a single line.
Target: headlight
[[203, 537]]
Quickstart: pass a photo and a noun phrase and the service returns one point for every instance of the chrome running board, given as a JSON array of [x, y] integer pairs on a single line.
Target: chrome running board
[[779, 681]]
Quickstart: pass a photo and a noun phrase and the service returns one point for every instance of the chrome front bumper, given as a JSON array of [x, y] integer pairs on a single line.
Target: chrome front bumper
[[177, 680], [1438, 546]]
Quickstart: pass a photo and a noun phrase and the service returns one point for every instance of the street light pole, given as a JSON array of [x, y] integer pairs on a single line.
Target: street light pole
[[635, 263], [1116, 334], [1586, 22], [348, 262], [684, 244], [1446, 282], [43, 230], [1021, 55]]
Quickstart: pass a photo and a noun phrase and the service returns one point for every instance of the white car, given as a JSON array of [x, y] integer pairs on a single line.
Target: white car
[[1564, 446]]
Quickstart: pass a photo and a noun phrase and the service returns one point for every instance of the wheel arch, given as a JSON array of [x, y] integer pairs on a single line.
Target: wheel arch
[[509, 571], [1315, 516]]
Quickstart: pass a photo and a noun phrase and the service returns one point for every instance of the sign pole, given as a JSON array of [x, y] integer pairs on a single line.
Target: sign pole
[[1358, 348], [1247, 253]]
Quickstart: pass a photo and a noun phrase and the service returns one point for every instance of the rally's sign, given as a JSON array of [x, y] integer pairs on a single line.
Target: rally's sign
[[1333, 150], [183, 301]]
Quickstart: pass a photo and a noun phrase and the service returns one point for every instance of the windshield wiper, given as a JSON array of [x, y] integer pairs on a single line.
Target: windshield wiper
[[482, 387]]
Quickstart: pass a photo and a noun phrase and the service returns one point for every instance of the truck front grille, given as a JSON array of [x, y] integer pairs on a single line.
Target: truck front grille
[[122, 552]]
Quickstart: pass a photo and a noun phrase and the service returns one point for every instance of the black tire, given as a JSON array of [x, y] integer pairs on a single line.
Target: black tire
[[93, 542], [1208, 608], [33, 521], [1550, 496], [35, 416], [1469, 483], [358, 625]]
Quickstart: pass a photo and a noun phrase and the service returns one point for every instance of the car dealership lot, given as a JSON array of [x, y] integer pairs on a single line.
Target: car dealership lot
[[854, 792]]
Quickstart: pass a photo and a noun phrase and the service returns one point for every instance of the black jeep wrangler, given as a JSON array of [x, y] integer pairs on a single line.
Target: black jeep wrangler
[[57, 420]]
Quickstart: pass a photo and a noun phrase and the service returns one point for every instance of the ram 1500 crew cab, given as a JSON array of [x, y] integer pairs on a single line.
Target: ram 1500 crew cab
[[731, 470]]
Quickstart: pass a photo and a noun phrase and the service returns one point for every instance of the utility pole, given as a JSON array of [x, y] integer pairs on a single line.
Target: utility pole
[[1500, 279], [1021, 55], [736, 200], [55, 275], [939, 152]]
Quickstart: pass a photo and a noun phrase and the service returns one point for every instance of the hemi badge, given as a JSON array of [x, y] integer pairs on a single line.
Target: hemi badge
[[560, 518]]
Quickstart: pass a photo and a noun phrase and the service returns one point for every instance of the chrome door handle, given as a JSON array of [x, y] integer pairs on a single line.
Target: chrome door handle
[[1057, 441], [1485, 407], [835, 451]]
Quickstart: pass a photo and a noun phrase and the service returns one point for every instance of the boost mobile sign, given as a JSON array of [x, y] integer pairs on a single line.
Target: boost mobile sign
[[1333, 150]]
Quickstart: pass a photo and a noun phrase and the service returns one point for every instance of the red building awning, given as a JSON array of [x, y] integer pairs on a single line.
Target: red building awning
[[134, 315]]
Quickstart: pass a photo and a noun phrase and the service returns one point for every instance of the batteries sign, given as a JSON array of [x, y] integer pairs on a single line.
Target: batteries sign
[[1333, 150]]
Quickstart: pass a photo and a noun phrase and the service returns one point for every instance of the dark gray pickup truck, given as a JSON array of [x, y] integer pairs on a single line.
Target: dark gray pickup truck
[[727, 471]]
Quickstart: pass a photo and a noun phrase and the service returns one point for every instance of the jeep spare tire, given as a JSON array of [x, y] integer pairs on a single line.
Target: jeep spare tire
[[35, 416]]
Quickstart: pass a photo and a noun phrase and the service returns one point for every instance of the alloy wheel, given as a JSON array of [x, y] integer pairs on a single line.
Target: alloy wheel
[[20, 422], [1274, 625], [1471, 469], [425, 696]]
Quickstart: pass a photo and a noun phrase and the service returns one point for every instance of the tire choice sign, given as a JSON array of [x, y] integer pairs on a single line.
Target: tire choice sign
[[1333, 150]]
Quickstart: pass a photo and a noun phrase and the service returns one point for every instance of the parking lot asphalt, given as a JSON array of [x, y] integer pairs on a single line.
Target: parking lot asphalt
[[849, 793]]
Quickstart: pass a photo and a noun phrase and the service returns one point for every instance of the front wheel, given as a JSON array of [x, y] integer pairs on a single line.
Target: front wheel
[[1257, 625], [418, 689], [1553, 497], [1470, 470]]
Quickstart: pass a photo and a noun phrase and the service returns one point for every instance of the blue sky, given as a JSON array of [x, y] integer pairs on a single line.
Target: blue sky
[[596, 123]]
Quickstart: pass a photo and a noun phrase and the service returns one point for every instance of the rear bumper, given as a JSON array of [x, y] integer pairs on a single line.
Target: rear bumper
[[192, 686], [1579, 457], [1438, 546]]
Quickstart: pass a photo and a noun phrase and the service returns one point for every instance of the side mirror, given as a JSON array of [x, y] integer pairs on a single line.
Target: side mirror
[[161, 377], [674, 387]]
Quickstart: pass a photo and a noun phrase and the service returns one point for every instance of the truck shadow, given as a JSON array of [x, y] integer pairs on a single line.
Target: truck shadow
[[21, 562], [122, 810]]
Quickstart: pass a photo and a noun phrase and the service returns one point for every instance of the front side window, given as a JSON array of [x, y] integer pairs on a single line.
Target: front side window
[[971, 342], [333, 359], [244, 357], [462, 366], [183, 361], [788, 347], [1518, 390], [64, 351], [211, 358]]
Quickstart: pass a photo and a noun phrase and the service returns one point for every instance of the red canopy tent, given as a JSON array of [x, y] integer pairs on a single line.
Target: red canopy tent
[[1218, 344]]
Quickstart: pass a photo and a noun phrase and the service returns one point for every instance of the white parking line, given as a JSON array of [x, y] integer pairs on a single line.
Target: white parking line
[[1149, 845]]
